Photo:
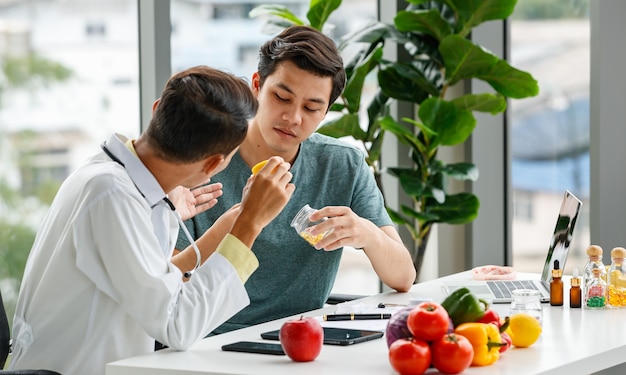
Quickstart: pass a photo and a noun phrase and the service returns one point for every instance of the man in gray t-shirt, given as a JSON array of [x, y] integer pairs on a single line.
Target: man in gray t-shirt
[[300, 75]]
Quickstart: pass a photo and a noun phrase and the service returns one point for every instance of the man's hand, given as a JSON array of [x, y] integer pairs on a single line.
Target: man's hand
[[383, 246], [265, 195], [190, 202], [348, 229]]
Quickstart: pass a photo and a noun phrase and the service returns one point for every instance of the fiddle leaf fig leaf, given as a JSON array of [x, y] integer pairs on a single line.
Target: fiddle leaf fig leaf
[[354, 85], [423, 21], [402, 81], [511, 82], [459, 208], [344, 126], [453, 126], [472, 13], [276, 11], [422, 216], [463, 59], [409, 180], [372, 33], [491, 103], [320, 10], [462, 171]]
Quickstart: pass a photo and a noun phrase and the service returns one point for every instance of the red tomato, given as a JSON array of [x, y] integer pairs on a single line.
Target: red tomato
[[409, 356], [506, 339], [452, 353], [428, 321]]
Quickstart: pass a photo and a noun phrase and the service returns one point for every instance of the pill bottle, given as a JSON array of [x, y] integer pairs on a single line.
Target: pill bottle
[[595, 291], [526, 301], [301, 223], [594, 254], [616, 279]]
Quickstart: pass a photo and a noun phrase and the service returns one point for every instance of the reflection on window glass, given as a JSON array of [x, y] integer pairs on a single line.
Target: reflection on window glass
[[550, 133], [216, 34], [69, 78]]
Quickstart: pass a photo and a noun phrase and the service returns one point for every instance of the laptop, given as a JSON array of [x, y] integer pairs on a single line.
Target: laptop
[[499, 291]]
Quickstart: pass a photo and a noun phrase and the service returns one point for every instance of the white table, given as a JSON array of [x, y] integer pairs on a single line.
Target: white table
[[574, 341]]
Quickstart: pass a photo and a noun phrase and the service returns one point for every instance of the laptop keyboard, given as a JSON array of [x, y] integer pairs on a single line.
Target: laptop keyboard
[[503, 288]]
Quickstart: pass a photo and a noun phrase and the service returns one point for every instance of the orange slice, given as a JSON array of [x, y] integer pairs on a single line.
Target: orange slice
[[258, 166]]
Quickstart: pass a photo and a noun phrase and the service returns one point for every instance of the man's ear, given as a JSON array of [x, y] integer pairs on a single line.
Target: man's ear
[[256, 83], [155, 104], [212, 163]]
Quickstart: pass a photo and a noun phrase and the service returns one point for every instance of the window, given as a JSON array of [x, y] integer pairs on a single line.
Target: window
[[61, 96], [550, 133]]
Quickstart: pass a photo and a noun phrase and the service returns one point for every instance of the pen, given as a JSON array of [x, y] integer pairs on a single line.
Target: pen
[[353, 316]]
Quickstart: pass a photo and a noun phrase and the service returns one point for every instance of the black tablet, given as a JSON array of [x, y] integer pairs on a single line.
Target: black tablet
[[254, 347], [337, 336]]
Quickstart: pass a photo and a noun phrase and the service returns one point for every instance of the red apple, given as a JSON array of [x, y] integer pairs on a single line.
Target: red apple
[[302, 339]]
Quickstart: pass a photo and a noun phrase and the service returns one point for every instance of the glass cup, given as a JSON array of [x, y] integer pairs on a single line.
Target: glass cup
[[301, 223], [527, 301]]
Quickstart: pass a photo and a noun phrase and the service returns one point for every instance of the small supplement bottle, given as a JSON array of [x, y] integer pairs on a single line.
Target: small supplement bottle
[[301, 223], [527, 301], [575, 293], [556, 285], [594, 252], [616, 279], [595, 293]]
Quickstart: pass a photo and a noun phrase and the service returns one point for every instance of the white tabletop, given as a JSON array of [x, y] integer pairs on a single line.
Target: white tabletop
[[574, 341]]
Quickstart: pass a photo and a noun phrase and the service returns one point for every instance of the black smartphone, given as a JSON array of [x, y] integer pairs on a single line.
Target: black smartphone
[[336, 336], [254, 347]]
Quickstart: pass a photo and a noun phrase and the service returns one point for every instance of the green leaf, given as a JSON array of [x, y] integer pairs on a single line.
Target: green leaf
[[403, 134], [403, 82], [345, 126], [453, 126], [376, 147], [510, 81], [276, 11], [459, 208], [473, 13], [463, 59], [422, 216], [462, 171], [427, 22], [354, 85], [491, 103], [320, 10], [409, 180], [372, 33]]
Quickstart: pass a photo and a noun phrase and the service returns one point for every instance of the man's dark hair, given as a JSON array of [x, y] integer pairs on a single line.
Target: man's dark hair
[[202, 112], [310, 50]]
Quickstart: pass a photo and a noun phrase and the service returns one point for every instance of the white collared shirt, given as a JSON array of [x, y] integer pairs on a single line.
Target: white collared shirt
[[98, 284]]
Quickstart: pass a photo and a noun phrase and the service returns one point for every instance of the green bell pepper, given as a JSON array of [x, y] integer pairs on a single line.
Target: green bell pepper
[[463, 306]]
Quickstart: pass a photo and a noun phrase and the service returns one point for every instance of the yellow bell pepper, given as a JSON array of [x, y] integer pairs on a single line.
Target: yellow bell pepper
[[485, 339]]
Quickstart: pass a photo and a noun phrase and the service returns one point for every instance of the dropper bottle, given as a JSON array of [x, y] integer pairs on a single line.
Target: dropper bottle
[[575, 291], [556, 286]]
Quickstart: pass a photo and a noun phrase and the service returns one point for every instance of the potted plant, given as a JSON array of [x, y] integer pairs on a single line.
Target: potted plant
[[434, 33]]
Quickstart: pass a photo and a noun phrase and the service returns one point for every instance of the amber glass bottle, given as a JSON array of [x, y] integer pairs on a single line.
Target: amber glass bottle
[[575, 292], [556, 286]]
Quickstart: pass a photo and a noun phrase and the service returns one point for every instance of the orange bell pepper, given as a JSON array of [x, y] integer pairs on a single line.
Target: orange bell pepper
[[485, 339]]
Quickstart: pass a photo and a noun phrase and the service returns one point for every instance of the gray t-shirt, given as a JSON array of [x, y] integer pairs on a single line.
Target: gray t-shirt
[[294, 277]]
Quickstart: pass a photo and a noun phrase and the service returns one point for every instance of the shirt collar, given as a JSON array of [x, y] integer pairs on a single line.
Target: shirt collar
[[145, 182]]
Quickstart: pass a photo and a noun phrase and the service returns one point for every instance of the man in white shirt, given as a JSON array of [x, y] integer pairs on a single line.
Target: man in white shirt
[[100, 283]]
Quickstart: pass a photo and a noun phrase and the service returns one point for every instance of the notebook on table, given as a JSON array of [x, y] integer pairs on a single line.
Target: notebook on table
[[499, 291]]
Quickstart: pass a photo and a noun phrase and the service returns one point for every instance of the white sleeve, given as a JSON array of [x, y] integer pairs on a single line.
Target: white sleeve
[[118, 250]]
